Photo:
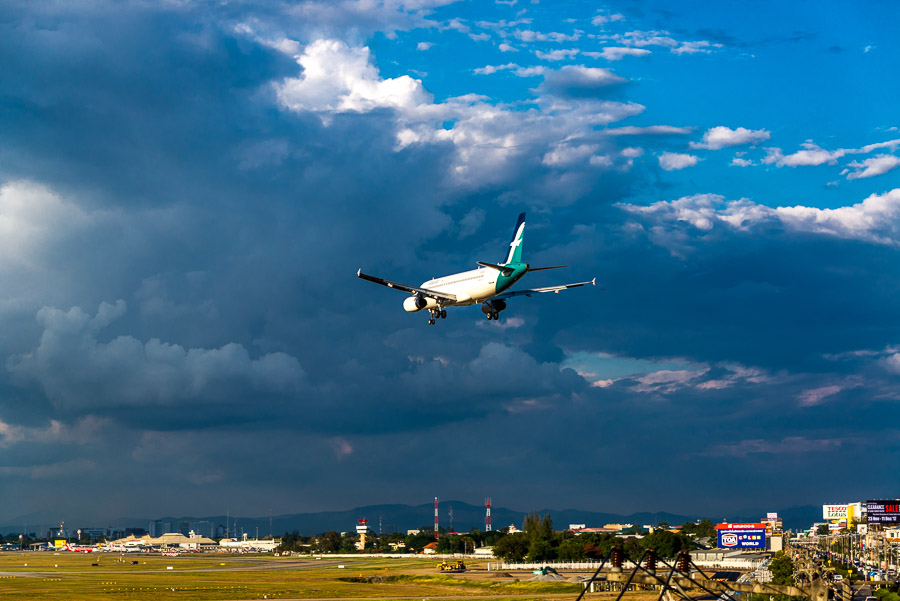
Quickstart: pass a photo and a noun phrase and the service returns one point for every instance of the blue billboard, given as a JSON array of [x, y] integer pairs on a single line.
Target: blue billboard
[[742, 539]]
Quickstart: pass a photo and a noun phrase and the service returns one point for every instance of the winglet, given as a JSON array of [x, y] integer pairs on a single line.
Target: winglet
[[594, 282], [358, 272]]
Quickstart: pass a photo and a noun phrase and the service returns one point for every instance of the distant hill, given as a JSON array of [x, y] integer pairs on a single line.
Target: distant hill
[[400, 518]]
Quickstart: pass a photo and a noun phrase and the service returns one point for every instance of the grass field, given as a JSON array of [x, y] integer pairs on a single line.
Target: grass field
[[66, 576]]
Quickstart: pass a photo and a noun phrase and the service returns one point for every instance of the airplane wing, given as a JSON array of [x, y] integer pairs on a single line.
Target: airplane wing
[[407, 288], [556, 289]]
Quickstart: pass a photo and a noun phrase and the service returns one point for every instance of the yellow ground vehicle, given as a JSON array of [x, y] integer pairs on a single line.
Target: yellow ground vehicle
[[459, 566]]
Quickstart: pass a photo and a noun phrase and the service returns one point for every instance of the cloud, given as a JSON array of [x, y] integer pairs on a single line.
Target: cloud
[[78, 371], [877, 165], [491, 69], [606, 17], [578, 81], [792, 445], [337, 78], [424, 45], [667, 381], [813, 155], [504, 47], [699, 47], [31, 216], [876, 219], [616, 53], [720, 137], [650, 130], [528, 36], [673, 161], [557, 55], [490, 140], [815, 396], [567, 154]]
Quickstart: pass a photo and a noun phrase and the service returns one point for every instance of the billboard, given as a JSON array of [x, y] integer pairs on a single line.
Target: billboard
[[834, 512], [746, 526], [883, 512], [742, 539]]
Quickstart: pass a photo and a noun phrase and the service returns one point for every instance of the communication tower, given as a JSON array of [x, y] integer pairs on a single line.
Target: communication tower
[[487, 514], [435, 517], [363, 530]]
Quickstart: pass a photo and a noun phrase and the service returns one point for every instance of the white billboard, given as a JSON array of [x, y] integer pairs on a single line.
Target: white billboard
[[834, 512]]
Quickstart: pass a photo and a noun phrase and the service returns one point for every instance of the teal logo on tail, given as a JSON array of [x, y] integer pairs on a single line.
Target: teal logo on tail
[[515, 245]]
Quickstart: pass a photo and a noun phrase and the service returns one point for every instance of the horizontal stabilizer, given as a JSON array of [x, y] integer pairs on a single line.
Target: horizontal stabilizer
[[546, 268], [501, 268]]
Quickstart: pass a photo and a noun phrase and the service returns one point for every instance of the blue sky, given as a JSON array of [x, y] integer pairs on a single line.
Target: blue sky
[[188, 188]]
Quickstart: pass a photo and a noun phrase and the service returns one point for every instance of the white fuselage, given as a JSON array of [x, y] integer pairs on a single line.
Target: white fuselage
[[469, 287]]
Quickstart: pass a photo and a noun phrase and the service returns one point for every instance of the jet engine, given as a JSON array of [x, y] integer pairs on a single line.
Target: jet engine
[[493, 308], [415, 303]]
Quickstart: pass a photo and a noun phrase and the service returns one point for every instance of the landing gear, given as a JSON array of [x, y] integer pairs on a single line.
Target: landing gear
[[437, 314], [495, 315]]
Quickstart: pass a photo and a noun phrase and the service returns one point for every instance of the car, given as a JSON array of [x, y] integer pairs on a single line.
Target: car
[[871, 598], [838, 578]]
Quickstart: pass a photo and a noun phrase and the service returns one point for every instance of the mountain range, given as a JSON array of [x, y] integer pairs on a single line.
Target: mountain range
[[389, 518]]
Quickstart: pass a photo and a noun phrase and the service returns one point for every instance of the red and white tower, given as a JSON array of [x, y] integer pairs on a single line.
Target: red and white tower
[[435, 517], [487, 514]]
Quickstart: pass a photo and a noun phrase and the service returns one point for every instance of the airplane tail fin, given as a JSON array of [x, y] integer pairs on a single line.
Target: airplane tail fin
[[515, 245]]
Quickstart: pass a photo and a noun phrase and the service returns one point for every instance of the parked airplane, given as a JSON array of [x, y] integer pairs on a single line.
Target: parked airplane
[[488, 285], [78, 549]]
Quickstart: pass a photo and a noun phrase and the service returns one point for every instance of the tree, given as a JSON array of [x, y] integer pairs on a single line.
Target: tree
[[540, 549], [512, 547], [633, 549], [573, 549], [822, 529], [666, 543], [782, 569]]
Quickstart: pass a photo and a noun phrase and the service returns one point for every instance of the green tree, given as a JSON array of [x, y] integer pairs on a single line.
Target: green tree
[[822, 529], [633, 548], [782, 569], [666, 543], [540, 549], [573, 549], [512, 547]]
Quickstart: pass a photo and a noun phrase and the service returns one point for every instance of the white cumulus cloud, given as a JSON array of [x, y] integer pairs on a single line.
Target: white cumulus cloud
[[877, 165], [337, 78], [673, 161], [876, 219], [720, 137], [615, 53]]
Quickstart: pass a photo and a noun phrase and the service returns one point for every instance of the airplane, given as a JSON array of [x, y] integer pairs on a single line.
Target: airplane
[[488, 284], [78, 549]]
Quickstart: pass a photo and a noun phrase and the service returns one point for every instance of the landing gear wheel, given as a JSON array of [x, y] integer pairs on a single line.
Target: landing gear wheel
[[490, 316], [496, 315], [431, 322], [443, 313]]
